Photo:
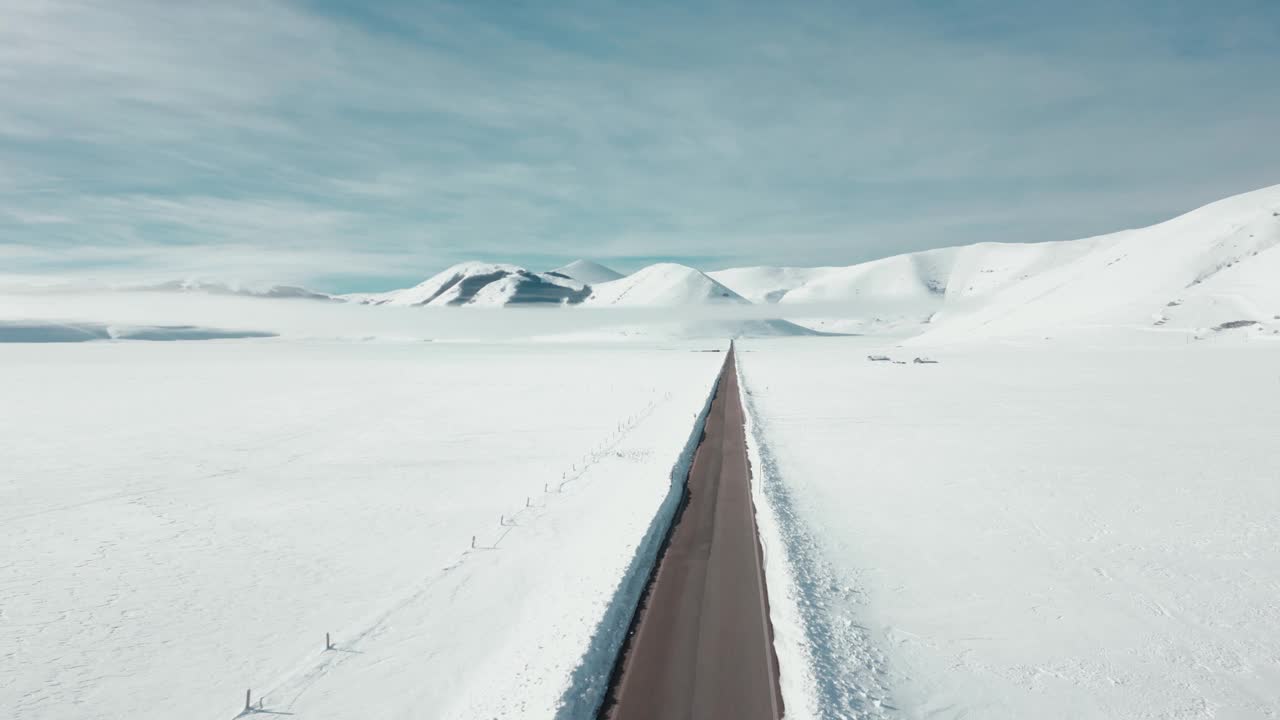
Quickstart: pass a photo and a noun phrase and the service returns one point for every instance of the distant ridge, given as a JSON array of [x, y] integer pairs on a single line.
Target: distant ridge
[[217, 288], [588, 272], [1214, 269]]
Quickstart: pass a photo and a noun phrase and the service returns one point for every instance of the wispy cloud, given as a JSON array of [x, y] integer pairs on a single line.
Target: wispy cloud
[[323, 140]]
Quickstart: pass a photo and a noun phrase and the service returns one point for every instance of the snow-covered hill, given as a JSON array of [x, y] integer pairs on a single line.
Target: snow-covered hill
[[663, 284], [588, 272], [764, 283], [1214, 265], [670, 285], [490, 284]]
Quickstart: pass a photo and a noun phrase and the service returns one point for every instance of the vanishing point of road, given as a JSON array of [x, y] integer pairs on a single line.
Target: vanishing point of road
[[702, 644]]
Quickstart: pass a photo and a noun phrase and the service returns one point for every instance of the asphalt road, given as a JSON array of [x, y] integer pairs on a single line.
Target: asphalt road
[[702, 645]]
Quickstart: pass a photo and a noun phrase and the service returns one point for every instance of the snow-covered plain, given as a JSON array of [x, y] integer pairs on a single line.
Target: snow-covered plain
[[1063, 530], [183, 521]]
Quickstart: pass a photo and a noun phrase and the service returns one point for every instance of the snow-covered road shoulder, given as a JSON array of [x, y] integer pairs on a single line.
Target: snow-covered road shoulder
[[828, 669]]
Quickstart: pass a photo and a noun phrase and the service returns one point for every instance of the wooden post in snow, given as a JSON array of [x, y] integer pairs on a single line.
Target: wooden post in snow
[[328, 644], [248, 700]]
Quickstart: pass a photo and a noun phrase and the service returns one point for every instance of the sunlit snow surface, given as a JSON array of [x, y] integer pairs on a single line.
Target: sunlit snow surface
[[184, 521], [1025, 532]]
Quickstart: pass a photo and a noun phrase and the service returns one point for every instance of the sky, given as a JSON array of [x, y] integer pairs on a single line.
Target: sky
[[363, 145]]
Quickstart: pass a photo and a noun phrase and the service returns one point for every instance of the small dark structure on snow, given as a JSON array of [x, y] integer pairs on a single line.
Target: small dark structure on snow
[[1232, 325]]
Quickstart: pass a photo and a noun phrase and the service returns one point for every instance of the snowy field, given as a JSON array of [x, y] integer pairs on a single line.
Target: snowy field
[[183, 521], [1025, 532]]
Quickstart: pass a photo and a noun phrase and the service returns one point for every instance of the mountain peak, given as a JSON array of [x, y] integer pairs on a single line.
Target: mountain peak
[[480, 283], [663, 284], [588, 272]]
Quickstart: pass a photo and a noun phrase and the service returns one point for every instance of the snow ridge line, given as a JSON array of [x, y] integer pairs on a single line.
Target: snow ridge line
[[590, 680], [295, 682], [812, 651]]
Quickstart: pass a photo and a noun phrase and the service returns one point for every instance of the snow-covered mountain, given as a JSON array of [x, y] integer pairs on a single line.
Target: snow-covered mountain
[[663, 284], [670, 285], [1214, 265], [903, 291], [474, 283], [586, 271]]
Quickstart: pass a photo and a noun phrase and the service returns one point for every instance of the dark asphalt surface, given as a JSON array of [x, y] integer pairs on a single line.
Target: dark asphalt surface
[[703, 645]]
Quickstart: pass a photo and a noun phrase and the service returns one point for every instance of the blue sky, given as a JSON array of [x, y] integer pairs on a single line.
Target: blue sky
[[365, 145]]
